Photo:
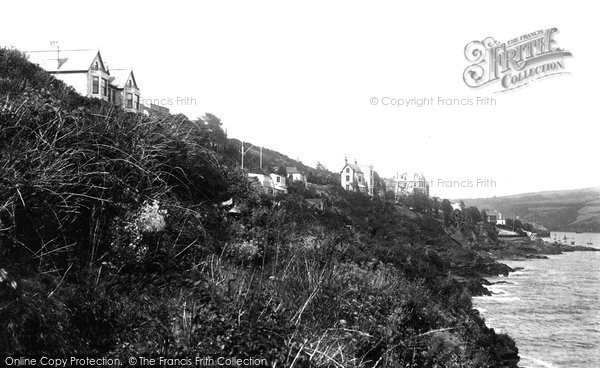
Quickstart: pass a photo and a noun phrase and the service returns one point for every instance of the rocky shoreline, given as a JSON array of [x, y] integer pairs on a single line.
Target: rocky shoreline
[[530, 249], [473, 271]]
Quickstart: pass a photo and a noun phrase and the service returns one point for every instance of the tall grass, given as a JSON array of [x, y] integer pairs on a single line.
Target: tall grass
[[113, 241]]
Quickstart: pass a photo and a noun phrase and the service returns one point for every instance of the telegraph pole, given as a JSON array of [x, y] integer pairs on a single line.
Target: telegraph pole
[[244, 152]]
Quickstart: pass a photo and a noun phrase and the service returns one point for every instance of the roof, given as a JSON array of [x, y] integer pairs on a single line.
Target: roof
[[65, 61], [490, 211], [356, 168], [121, 76]]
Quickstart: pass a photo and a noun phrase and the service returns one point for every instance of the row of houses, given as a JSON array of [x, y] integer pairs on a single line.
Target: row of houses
[[361, 178], [89, 75], [353, 177], [273, 184]]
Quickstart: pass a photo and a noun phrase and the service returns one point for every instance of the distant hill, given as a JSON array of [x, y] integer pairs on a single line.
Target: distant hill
[[572, 210]]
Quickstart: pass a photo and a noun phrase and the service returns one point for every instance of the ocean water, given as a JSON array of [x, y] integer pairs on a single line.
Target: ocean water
[[568, 238], [551, 308]]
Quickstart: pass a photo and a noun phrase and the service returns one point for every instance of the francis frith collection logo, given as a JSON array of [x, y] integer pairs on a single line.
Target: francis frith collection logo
[[514, 63]]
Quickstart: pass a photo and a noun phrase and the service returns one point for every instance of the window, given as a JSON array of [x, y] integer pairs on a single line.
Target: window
[[104, 87], [360, 179], [347, 177], [95, 85], [109, 95], [347, 169], [347, 187], [129, 83], [137, 102], [278, 179], [96, 65], [129, 100]]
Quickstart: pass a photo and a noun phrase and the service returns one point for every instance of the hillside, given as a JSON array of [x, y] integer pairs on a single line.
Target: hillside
[[115, 242], [571, 210], [274, 161]]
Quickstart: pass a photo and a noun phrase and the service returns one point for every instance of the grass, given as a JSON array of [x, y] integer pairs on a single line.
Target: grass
[[113, 242]]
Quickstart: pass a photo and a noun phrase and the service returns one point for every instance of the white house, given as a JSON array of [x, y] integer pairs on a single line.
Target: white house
[[279, 184], [352, 177], [295, 175], [84, 70], [264, 182], [89, 75], [500, 220], [270, 184], [409, 182]]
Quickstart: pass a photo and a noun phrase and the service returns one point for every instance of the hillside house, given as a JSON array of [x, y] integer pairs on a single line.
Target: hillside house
[[279, 184], [409, 182], [294, 174], [492, 215], [272, 184], [125, 90], [263, 183], [84, 70], [352, 177], [89, 75]]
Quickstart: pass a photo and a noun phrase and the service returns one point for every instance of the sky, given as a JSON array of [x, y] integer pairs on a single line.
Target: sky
[[301, 78]]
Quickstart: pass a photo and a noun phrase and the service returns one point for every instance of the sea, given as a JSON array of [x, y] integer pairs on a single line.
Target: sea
[[551, 307]]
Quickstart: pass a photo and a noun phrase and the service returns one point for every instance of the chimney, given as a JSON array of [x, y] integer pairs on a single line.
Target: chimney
[[346, 160], [355, 162]]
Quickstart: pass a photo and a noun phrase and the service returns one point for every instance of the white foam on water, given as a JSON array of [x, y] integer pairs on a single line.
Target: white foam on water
[[536, 361], [500, 299], [497, 291]]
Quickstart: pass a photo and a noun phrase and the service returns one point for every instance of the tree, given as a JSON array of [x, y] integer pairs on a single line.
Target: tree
[[462, 206], [419, 202], [484, 216], [435, 205], [472, 214], [447, 209], [216, 134], [518, 224]]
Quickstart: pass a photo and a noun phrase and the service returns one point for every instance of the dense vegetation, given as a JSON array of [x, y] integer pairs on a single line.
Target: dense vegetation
[[114, 241]]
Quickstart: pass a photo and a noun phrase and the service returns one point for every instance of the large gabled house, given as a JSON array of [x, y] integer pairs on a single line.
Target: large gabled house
[[89, 75], [126, 92], [84, 70], [353, 178], [410, 182]]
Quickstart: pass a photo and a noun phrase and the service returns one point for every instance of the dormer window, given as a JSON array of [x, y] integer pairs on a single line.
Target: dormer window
[[129, 84], [96, 65]]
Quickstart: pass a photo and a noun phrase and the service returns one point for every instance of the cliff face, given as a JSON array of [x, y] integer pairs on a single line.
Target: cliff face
[[116, 239]]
